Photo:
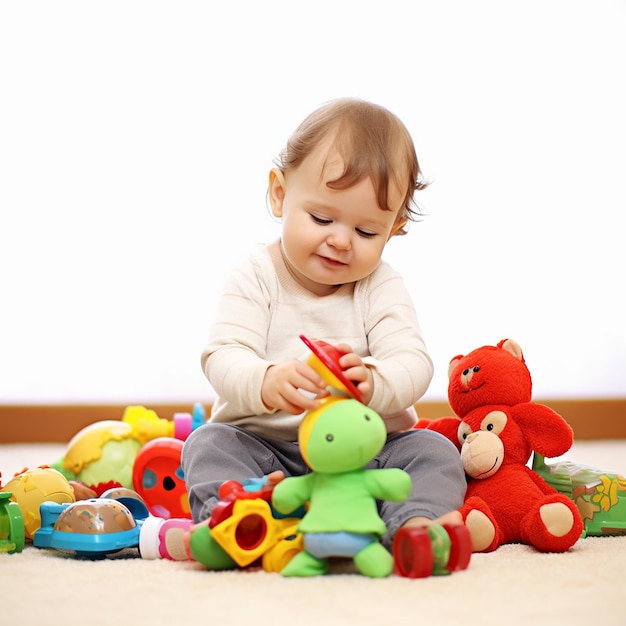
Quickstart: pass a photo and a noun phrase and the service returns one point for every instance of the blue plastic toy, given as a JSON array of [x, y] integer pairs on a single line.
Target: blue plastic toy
[[93, 528]]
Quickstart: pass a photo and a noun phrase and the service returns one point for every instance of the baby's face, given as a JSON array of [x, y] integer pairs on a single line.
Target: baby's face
[[330, 236]]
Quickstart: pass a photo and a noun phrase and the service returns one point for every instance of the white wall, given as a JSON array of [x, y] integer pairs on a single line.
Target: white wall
[[135, 140]]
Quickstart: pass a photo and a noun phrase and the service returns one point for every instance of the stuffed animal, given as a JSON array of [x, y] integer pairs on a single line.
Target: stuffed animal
[[496, 428], [337, 440]]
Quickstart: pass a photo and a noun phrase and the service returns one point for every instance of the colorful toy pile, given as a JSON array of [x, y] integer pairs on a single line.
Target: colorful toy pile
[[295, 525], [120, 485], [113, 472], [141, 452]]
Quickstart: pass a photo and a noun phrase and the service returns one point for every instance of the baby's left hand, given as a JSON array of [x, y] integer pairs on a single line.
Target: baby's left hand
[[355, 370]]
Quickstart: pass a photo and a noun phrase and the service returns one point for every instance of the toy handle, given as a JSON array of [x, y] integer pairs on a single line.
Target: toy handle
[[183, 425]]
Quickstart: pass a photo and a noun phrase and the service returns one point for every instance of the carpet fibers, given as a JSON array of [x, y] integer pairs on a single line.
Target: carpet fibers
[[513, 585]]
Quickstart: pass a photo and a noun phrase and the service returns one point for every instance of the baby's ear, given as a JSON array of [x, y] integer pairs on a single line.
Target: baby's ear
[[399, 224], [276, 191]]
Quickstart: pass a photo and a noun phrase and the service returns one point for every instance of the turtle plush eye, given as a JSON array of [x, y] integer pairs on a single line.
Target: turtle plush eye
[[329, 437], [367, 417]]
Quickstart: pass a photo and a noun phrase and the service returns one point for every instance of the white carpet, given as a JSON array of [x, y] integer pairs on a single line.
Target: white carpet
[[513, 585]]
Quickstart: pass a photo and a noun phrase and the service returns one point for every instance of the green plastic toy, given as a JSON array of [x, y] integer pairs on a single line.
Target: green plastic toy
[[11, 525], [599, 495]]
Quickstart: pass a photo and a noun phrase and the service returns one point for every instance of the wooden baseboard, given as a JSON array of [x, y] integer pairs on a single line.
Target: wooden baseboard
[[590, 419]]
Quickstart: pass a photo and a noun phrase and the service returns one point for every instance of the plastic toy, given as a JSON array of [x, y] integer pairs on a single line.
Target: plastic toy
[[157, 473], [246, 526], [243, 530], [497, 428], [30, 488], [93, 528], [11, 525], [158, 478], [324, 359], [105, 451], [155, 538], [198, 417], [337, 440], [599, 495], [435, 550]]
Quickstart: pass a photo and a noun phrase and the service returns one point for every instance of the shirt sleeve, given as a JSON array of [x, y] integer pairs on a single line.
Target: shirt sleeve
[[400, 364], [234, 357]]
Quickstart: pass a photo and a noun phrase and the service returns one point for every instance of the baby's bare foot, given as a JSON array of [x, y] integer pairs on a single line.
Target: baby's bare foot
[[453, 518]]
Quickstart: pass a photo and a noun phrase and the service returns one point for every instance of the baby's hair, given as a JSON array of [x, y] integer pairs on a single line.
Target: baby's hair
[[372, 142]]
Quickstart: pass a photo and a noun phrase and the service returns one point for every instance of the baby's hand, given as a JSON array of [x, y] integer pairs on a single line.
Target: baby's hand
[[355, 370], [282, 385], [265, 483], [274, 478]]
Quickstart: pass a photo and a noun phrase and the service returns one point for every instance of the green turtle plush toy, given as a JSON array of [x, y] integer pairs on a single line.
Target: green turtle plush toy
[[337, 440]]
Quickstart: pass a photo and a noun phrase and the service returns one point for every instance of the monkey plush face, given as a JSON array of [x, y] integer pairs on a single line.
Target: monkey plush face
[[482, 450]]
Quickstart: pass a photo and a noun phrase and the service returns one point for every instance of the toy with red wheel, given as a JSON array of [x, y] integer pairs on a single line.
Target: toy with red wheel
[[433, 550]]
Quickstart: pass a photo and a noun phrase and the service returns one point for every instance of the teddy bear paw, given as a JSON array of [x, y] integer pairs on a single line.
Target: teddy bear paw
[[557, 518], [481, 529], [553, 525]]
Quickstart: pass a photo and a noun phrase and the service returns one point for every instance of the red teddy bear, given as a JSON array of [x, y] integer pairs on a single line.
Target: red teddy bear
[[497, 428]]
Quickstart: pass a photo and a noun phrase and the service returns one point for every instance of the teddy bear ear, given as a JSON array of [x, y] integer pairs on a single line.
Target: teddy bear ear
[[453, 363], [512, 347]]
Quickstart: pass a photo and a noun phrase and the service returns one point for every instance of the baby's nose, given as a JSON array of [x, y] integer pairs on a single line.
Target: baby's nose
[[340, 238]]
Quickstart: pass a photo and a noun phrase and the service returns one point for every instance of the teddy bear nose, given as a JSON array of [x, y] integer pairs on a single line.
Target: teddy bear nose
[[468, 373]]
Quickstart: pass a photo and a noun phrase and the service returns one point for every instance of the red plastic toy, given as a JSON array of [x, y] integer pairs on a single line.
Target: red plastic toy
[[325, 361], [435, 550], [158, 478]]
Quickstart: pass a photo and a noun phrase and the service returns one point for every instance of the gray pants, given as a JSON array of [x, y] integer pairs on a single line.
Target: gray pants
[[217, 452]]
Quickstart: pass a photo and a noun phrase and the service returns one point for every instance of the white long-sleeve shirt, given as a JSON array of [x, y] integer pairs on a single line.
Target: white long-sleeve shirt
[[260, 316]]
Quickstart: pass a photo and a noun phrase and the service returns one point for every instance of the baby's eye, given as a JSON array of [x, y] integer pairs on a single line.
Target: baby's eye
[[366, 234], [320, 220]]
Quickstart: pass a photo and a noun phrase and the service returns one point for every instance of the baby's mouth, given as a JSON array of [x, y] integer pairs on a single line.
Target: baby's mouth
[[331, 261]]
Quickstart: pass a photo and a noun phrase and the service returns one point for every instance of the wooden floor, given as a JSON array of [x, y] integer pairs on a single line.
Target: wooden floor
[[590, 419]]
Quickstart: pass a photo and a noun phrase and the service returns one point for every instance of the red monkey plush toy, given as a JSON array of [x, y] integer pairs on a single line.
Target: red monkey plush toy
[[497, 428]]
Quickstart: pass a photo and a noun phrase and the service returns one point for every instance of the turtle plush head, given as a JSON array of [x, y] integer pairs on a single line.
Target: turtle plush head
[[341, 435]]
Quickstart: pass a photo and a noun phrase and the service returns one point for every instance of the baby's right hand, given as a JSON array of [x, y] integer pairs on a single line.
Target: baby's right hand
[[282, 385]]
